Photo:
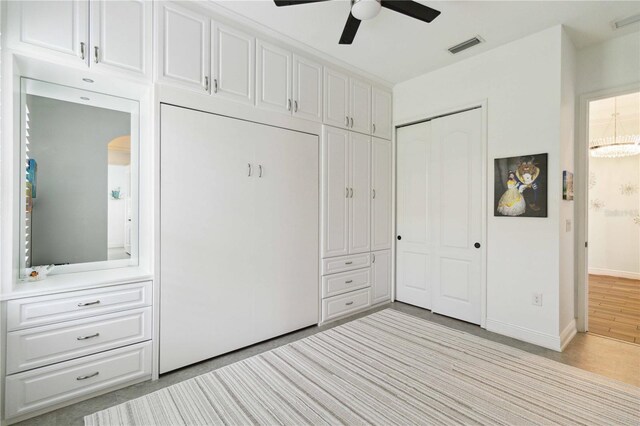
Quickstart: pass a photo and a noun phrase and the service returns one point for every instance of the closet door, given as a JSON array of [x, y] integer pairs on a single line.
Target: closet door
[[121, 35], [285, 288], [359, 193], [335, 192], [381, 163], [307, 89], [381, 113], [208, 236], [185, 48], [336, 98], [381, 276], [233, 64], [360, 111], [274, 77]]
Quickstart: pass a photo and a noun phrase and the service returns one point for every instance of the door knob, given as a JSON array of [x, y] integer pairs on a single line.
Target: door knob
[[399, 237], [477, 245]]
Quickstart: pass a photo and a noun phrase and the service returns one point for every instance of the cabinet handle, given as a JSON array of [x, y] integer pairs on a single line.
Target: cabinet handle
[[374, 194], [295, 106], [351, 193], [82, 47], [374, 127], [96, 54], [351, 122], [249, 164], [206, 84], [349, 303], [347, 195], [348, 281], [88, 376], [288, 104], [88, 337], [215, 85], [346, 121], [348, 263], [259, 170], [88, 303], [373, 260]]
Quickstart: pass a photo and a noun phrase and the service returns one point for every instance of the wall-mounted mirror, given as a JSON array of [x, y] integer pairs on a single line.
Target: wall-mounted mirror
[[80, 161]]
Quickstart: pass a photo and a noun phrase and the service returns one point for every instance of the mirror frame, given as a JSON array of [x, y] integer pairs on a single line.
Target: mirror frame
[[60, 92]]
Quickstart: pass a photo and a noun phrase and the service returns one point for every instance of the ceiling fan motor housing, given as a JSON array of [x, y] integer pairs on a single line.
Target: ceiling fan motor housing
[[365, 9]]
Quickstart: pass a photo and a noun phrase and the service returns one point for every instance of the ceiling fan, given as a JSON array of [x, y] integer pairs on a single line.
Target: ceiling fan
[[362, 10]]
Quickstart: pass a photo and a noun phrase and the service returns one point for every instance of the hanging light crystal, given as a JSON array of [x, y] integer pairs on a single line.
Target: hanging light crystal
[[617, 145]]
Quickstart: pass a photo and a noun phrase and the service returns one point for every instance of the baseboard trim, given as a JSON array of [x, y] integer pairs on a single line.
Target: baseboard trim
[[568, 334], [548, 341], [615, 273]]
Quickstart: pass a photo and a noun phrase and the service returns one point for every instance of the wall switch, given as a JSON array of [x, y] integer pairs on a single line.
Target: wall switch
[[537, 299], [568, 225]]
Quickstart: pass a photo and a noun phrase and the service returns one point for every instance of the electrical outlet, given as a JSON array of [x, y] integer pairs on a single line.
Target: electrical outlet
[[537, 299]]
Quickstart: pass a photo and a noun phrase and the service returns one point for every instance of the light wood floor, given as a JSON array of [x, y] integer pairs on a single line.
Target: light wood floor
[[614, 307]]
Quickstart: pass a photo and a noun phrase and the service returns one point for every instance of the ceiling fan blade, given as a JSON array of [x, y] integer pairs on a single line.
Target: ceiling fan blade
[[350, 30], [412, 9], [294, 2]]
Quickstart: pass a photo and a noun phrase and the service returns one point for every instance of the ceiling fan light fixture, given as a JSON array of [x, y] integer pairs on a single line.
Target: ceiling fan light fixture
[[365, 9]]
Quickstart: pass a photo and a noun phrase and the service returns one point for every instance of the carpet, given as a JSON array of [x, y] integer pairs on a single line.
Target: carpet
[[388, 368]]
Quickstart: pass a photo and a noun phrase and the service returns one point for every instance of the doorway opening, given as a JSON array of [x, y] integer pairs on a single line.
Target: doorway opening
[[613, 217]]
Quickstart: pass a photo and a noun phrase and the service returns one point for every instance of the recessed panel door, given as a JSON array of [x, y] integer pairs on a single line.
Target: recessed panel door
[[335, 192], [360, 193]]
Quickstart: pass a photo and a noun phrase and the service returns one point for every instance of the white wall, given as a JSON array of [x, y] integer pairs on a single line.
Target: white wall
[[522, 84]]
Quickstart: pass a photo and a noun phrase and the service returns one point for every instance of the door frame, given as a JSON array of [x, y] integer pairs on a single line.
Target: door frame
[[582, 199], [437, 113]]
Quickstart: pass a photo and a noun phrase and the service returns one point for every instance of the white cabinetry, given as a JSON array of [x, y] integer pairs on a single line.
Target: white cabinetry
[[359, 106], [381, 167], [307, 88], [359, 193], [381, 113], [336, 98], [381, 276], [233, 63]]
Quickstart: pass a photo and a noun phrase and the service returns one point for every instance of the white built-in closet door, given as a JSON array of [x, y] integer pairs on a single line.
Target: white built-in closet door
[[381, 160], [360, 193], [456, 215], [414, 245], [335, 192]]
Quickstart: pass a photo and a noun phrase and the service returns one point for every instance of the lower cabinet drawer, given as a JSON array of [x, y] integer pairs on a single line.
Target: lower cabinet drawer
[[37, 389], [40, 346], [345, 263], [334, 307], [335, 284]]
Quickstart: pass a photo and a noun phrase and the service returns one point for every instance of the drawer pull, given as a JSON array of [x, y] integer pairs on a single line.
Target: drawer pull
[[348, 281], [88, 376], [88, 303], [88, 337], [348, 263], [349, 303]]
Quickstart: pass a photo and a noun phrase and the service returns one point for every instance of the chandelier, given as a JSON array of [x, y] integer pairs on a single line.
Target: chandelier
[[620, 144]]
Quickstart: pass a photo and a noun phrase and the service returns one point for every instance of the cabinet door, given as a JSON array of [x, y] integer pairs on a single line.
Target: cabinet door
[[336, 98], [380, 194], [233, 64], [185, 45], [307, 89], [381, 273], [381, 113], [360, 111], [335, 192], [274, 77], [359, 193], [121, 35], [60, 27]]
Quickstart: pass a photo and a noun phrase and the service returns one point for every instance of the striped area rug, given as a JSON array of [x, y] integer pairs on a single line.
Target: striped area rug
[[388, 368]]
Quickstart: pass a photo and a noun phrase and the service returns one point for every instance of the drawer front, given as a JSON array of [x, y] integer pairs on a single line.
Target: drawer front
[[345, 263], [343, 282], [337, 306], [37, 389], [34, 311], [39, 346]]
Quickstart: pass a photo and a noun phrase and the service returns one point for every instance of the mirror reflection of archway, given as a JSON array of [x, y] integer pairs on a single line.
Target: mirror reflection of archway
[[119, 160]]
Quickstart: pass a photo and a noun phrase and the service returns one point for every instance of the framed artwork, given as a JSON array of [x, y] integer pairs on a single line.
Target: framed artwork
[[567, 185], [520, 186]]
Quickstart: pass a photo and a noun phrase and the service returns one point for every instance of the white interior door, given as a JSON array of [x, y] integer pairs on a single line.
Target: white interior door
[[233, 64], [414, 245], [359, 193], [456, 215], [335, 192], [381, 162], [274, 77]]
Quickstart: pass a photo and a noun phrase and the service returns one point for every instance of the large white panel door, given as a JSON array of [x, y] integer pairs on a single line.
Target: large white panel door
[[233, 64], [381, 113], [274, 77], [185, 52], [456, 215], [207, 236], [335, 192], [381, 163], [414, 246], [121, 35], [60, 26], [359, 193], [336, 98], [381, 273], [360, 109], [285, 290], [307, 89]]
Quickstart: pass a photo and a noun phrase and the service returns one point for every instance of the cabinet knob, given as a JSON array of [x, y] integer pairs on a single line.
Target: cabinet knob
[[477, 245]]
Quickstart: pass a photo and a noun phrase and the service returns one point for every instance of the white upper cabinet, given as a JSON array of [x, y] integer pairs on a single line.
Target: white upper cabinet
[[335, 192], [121, 35], [336, 98], [233, 64], [54, 27], [381, 113], [381, 167], [307, 89], [274, 77], [360, 106], [184, 47]]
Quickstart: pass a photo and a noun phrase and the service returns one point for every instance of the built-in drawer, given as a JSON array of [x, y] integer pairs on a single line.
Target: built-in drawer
[[345, 263], [343, 282], [48, 344], [337, 306], [43, 387], [41, 310]]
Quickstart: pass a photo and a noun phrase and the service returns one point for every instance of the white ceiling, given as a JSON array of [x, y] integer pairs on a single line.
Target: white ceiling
[[396, 48]]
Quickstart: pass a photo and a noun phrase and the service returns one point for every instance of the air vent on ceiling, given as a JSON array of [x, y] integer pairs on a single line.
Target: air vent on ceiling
[[626, 21], [465, 45]]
